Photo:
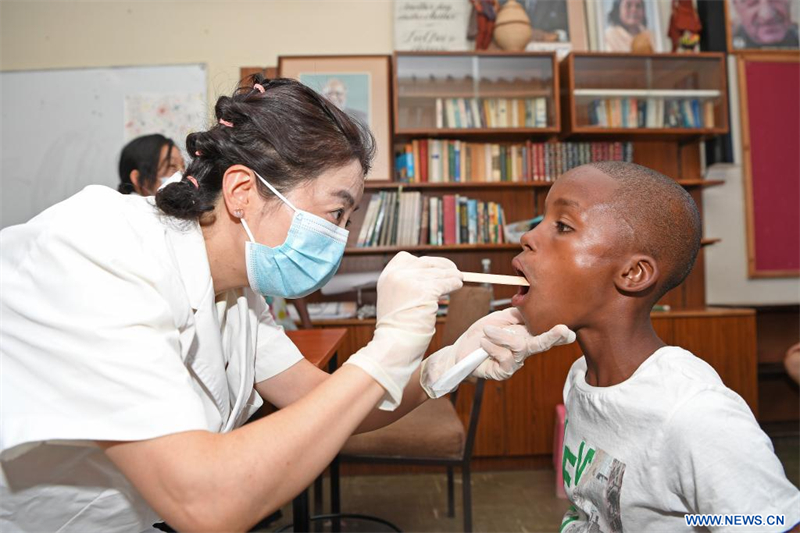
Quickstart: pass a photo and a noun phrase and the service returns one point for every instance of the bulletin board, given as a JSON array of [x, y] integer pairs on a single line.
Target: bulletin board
[[769, 86], [63, 129]]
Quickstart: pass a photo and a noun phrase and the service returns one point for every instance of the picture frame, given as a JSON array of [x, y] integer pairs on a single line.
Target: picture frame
[[617, 37], [558, 25], [360, 85], [745, 34]]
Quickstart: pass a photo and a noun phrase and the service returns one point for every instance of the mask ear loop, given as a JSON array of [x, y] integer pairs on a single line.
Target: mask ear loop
[[275, 191]]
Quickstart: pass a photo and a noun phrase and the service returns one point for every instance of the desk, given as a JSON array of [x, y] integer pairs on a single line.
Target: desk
[[318, 346]]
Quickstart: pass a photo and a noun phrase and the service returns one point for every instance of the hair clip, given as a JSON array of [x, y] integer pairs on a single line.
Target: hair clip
[[258, 87], [226, 123], [198, 153], [193, 181]]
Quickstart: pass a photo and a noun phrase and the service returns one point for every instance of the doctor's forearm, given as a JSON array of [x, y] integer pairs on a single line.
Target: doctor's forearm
[[204, 481], [413, 396]]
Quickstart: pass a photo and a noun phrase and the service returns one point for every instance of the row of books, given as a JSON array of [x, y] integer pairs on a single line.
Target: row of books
[[491, 112], [651, 113], [444, 161], [400, 218]]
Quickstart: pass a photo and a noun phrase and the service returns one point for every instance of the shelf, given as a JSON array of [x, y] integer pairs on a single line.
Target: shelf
[[371, 186], [532, 93], [474, 132], [432, 248], [664, 93], [379, 185]]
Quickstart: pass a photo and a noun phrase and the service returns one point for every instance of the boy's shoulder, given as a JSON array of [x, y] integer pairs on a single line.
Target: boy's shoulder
[[671, 377]]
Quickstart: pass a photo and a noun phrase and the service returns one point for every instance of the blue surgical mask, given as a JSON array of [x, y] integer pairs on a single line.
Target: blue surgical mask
[[307, 260]]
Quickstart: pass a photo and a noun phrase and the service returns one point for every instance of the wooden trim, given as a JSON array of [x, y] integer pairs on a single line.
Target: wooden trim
[[379, 185], [775, 274], [656, 55], [747, 162], [472, 132], [433, 248], [484, 53]]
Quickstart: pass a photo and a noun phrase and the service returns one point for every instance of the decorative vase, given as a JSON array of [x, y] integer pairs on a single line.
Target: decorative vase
[[512, 29]]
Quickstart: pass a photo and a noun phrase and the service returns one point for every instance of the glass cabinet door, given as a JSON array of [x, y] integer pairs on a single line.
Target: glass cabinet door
[[474, 92]]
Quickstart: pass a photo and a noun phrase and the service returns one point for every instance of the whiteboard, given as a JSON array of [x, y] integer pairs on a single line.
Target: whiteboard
[[64, 129]]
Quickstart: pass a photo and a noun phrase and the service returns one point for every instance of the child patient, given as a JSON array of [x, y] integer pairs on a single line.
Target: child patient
[[652, 433]]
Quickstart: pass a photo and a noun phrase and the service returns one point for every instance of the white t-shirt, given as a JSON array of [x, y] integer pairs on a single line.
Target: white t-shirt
[[670, 440], [110, 330]]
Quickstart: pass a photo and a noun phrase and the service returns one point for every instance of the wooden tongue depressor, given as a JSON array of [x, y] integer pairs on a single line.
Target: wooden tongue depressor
[[494, 279]]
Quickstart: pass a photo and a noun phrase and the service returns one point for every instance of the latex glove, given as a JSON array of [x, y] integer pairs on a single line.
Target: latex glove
[[409, 289], [504, 337]]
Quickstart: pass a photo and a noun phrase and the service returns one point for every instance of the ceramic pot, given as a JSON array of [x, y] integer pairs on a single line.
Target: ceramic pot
[[512, 29]]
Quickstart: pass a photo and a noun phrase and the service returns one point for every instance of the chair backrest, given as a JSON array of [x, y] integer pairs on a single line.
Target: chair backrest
[[467, 305]]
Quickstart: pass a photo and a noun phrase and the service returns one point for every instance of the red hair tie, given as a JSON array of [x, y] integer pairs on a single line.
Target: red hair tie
[[226, 123], [258, 87], [194, 181]]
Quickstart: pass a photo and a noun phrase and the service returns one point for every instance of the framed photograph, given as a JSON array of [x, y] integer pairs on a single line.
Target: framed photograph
[[556, 24], [619, 23], [358, 85], [762, 25]]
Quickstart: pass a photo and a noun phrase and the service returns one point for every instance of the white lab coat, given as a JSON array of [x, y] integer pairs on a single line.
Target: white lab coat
[[110, 330]]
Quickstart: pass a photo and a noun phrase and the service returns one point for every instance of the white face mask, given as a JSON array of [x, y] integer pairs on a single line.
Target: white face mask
[[166, 180]]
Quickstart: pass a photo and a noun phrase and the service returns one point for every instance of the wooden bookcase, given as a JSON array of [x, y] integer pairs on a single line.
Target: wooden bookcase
[[516, 427]]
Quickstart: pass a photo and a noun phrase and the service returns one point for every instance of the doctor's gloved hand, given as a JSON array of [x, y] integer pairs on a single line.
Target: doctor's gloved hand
[[409, 289], [504, 337]]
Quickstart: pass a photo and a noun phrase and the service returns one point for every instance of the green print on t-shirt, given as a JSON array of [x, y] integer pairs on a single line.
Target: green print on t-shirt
[[578, 463]]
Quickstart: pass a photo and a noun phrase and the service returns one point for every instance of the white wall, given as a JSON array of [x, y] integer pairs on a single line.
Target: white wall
[[724, 210], [229, 35], [224, 35]]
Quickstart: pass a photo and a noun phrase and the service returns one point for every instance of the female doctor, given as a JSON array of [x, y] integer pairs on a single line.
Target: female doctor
[[136, 341]]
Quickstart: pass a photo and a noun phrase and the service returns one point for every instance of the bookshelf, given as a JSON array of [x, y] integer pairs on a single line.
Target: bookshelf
[[475, 94], [657, 96], [517, 420]]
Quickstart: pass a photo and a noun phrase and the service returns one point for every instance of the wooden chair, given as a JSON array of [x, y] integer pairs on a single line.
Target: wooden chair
[[432, 434]]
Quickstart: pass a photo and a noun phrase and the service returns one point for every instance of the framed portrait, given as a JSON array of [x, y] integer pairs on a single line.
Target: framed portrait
[[619, 23], [557, 25], [762, 25], [358, 85]]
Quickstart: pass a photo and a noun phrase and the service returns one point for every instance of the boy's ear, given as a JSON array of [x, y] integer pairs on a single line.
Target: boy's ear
[[639, 274]]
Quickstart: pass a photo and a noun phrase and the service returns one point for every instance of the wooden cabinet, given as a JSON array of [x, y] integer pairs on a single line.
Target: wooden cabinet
[[518, 415]]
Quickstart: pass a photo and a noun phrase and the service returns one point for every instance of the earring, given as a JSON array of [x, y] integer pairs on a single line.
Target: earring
[[238, 213]]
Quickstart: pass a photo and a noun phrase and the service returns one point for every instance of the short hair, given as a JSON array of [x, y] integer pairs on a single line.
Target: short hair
[[664, 218]]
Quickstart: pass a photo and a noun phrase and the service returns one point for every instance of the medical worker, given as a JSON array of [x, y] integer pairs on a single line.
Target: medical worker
[[135, 339]]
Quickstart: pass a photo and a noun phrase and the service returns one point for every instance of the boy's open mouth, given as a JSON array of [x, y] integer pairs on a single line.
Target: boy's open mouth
[[522, 291]]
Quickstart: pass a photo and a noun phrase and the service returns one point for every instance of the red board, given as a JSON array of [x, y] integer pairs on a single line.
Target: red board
[[773, 116]]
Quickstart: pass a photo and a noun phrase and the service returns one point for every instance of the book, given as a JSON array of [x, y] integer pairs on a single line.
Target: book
[[514, 118], [477, 121], [502, 113], [451, 113], [463, 215], [369, 220], [449, 214], [423, 160], [708, 114], [415, 177], [472, 221], [541, 112], [462, 113], [374, 239], [439, 114], [435, 166]]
